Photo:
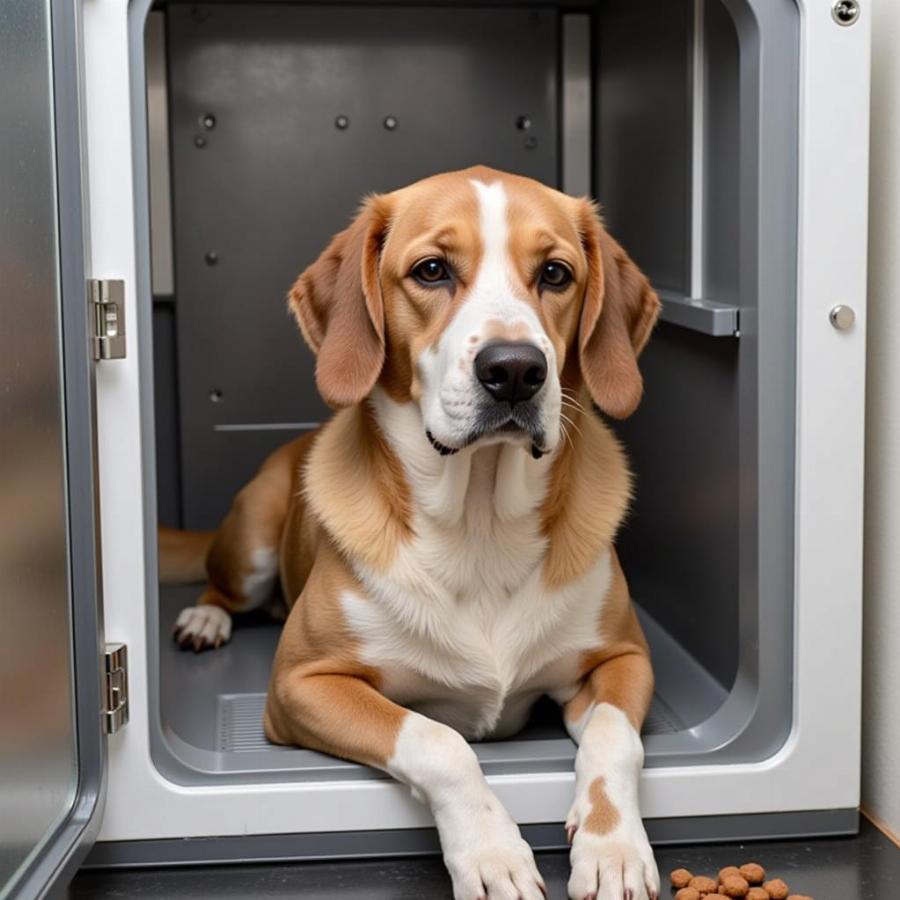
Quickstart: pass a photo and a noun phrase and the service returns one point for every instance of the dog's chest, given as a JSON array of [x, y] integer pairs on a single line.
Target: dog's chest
[[462, 627]]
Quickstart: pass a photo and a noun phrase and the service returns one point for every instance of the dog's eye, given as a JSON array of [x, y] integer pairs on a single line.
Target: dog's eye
[[555, 275], [431, 271]]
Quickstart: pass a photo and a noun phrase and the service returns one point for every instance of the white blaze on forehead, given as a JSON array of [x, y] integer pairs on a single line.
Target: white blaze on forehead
[[493, 277], [493, 296]]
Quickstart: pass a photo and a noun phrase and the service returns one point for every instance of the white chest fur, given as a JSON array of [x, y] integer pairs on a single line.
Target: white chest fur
[[462, 627]]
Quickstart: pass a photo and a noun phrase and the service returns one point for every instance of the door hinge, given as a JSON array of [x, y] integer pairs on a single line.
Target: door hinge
[[106, 298], [115, 687]]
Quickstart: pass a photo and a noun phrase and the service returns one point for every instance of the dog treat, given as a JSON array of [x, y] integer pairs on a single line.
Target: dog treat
[[714, 897], [687, 893], [728, 871], [734, 886], [705, 885], [798, 897], [757, 893], [681, 878], [776, 889], [753, 872]]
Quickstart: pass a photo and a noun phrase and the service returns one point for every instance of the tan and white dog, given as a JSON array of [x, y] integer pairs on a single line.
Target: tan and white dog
[[445, 542]]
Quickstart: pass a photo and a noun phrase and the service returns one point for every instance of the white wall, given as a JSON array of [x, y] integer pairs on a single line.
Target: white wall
[[881, 648]]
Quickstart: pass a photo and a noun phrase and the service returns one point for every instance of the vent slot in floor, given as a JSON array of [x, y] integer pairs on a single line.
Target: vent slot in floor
[[239, 727]]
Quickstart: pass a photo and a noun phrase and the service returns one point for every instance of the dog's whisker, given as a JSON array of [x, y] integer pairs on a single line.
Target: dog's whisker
[[572, 403], [567, 420]]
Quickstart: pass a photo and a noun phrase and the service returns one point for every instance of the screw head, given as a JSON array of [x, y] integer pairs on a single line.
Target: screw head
[[842, 317], [211, 257], [342, 122], [531, 142], [845, 12], [208, 121], [199, 141], [390, 122], [523, 123], [215, 395]]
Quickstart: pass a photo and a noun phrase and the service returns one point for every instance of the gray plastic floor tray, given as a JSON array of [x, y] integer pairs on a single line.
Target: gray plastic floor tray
[[211, 710]]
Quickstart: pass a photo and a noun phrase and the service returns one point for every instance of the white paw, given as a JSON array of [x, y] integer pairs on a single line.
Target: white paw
[[488, 859], [202, 627], [616, 866]]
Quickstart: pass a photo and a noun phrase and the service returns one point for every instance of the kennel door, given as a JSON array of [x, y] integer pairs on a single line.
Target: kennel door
[[51, 746]]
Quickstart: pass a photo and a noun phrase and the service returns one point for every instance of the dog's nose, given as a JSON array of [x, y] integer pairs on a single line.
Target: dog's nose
[[511, 371]]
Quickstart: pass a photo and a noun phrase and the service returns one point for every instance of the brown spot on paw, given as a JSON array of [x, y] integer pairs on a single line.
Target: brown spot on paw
[[603, 816]]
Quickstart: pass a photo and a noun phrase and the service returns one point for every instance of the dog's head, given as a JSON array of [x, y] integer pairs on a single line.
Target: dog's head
[[483, 297]]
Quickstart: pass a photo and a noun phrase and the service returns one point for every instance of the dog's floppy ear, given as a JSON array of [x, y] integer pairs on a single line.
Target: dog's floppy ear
[[338, 304], [617, 316]]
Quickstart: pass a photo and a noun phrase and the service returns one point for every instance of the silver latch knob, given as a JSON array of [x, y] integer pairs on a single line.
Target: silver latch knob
[[842, 317]]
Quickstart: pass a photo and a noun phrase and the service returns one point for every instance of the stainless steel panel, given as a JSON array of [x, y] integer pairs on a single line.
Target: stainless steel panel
[[263, 176], [38, 760]]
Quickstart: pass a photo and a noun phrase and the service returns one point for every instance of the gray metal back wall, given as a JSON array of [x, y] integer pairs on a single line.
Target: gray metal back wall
[[275, 178], [642, 133], [679, 546]]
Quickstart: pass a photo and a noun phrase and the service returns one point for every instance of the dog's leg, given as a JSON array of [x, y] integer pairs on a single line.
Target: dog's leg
[[611, 856], [346, 716], [242, 562]]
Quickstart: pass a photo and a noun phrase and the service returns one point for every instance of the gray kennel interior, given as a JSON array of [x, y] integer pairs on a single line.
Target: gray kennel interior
[[268, 123]]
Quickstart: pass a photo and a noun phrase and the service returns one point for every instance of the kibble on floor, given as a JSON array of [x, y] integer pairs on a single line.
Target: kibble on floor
[[732, 883]]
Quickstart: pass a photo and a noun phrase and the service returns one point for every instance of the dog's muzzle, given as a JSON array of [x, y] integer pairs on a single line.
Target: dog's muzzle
[[512, 375]]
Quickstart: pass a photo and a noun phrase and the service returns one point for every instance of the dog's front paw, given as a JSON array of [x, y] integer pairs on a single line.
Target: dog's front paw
[[614, 866], [488, 859], [202, 627]]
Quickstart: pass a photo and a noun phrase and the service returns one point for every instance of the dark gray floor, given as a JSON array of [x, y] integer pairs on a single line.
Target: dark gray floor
[[866, 867]]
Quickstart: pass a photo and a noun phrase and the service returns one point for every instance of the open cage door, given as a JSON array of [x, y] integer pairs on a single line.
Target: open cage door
[[52, 749]]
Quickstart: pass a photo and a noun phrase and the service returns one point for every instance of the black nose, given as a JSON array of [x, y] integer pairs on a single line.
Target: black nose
[[511, 372]]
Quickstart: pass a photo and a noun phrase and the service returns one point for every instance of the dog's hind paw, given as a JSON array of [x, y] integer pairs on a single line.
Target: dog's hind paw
[[202, 628]]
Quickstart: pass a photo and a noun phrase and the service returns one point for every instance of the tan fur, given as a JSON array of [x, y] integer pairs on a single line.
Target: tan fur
[[255, 520], [603, 816], [619, 312], [182, 555], [320, 696], [355, 487], [587, 496], [338, 304], [619, 671]]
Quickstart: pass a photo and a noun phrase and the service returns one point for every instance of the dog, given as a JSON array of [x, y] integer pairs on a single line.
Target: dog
[[444, 543]]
